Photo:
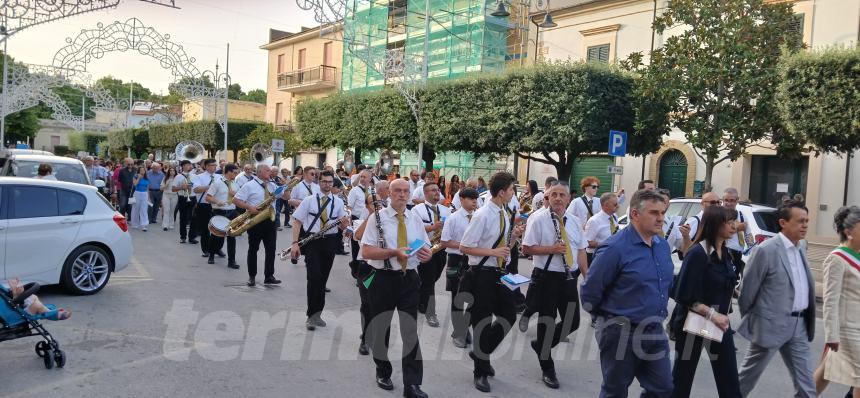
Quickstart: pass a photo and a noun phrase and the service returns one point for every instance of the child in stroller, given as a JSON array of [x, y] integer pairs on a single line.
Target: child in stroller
[[20, 312]]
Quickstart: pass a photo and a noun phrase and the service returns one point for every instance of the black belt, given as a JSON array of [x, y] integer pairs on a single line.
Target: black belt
[[798, 313]]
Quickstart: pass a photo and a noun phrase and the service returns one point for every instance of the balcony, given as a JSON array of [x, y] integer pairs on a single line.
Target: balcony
[[309, 79]]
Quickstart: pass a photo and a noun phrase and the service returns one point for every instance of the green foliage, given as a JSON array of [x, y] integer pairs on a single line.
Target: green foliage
[[137, 139], [73, 97], [85, 141], [718, 77], [166, 136], [265, 133], [121, 90], [234, 92], [256, 95], [819, 99], [62, 150], [21, 126]]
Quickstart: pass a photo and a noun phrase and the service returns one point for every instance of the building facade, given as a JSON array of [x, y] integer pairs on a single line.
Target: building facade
[[609, 30], [198, 109]]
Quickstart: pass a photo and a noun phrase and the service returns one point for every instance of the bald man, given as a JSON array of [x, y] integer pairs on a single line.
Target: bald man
[[690, 230]]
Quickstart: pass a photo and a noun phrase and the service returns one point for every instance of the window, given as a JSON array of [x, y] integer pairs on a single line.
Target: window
[[279, 112], [280, 63], [598, 53], [68, 172], [327, 54], [674, 209], [31, 202], [694, 210], [302, 55], [71, 203]]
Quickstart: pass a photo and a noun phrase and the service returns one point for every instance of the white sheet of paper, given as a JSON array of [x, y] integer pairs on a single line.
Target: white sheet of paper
[[780, 187]]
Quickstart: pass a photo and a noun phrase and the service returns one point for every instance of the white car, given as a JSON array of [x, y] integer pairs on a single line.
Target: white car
[[27, 165], [56, 232]]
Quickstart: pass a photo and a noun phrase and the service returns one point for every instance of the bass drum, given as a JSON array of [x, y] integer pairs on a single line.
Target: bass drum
[[218, 226]]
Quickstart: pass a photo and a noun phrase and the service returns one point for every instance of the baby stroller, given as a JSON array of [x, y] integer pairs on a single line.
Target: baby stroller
[[16, 323]]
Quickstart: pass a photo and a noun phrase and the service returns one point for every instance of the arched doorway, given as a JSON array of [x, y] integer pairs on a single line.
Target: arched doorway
[[673, 173]]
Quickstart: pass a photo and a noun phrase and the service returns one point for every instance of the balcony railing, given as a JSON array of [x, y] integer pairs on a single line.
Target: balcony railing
[[316, 78]]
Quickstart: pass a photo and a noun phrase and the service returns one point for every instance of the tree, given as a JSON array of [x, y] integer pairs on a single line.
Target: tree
[[720, 73], [72, 96], [121, 90], [256, 95], [265, 133], [21, 126], [234, 92]]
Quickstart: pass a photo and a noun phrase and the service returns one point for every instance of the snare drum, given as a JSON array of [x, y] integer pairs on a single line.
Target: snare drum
[[218, 226]]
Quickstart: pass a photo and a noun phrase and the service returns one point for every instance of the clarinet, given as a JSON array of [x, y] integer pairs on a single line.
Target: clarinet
[[380, 234], [560, 239], [286, 252]]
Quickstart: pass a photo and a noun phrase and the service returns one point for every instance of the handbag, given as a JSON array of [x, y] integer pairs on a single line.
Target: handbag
[[132, 200], [702, 327]]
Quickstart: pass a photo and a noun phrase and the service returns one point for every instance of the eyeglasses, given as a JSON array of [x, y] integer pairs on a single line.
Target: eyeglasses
[[596, 186], [326, 182]]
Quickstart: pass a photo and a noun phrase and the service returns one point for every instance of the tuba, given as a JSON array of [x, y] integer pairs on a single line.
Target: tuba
[[385, 164], [262, 154], [348, 162], [191, 151]]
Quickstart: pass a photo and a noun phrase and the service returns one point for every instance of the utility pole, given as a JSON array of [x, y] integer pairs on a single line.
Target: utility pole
[[425, 73], [226, 97], [83, 112], [5, 88]]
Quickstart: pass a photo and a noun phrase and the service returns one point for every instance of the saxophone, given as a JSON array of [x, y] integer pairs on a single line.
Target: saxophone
[[436, 242], [246, 220]]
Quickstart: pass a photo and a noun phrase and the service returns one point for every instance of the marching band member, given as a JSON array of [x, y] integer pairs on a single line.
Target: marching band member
[[585, 206], [432, 214], [452, 233], [220, 195], [182, 185], [537, 200], [471, 182], [247, 175], [395, 288], [602, 225], [249, 197], [557, 244], [315, 213], [487, 243], [355, 202], [418, 193], [307, 187], [203, 210]]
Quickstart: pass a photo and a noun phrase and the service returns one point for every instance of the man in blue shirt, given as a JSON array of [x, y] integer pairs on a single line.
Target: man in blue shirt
[[155, 177], [627, 290]]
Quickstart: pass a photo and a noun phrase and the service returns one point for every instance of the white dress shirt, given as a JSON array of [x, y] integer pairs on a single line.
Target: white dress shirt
[[578, 208], [357, 201], [179, 181], [241, 179], [455, 202], [202, 180], [598, 228], [414, 185], [419, 193], [484, 198], [220, 190], [797, 270], [253, 194], [302, 190], [388, 218], [425, 212], [311, 208], [540, 231], [454, 228], [484, 230], [736, 242]]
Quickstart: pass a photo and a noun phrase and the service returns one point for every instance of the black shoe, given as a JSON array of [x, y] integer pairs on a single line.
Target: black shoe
[[204, 255], [310, 324], [233, 266], [182, 240], [252, 282], [520, 308], [211, 260], [414, 391], [385, 383], [280, 229], [220, 254], [271, 281], [550, 380], [318, 321], [164, 229], [460, 342], [482, 384], [327, 290], [432, 321], [193, 241], [363, 350], [524, 323], [491, 371]]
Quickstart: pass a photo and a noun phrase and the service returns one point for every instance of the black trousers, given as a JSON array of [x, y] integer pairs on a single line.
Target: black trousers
[[457, 265], [355, 247], [558, 297], [155, 196], [430, 272], [361, 270], [492, 299], [319, 257], [392, 291], [186, 207], [267, 233], [202, 215], [514, 268], [217, 242], [688, 349]]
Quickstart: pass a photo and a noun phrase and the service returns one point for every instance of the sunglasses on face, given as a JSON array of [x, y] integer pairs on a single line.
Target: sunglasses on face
[[595, 186]]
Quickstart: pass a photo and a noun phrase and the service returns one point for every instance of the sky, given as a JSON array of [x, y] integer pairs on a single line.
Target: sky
[[202, 27]]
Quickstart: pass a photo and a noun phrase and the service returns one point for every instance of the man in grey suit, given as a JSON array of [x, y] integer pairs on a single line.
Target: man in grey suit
[[777, 303]]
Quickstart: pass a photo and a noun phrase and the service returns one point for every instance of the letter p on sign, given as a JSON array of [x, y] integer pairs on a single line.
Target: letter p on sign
[[617, 143]]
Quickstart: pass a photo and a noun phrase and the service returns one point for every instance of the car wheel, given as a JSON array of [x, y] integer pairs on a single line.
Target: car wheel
[[86, 270]]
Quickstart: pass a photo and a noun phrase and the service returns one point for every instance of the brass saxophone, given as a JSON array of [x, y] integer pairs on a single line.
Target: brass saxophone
[[525, 203], [246, 220], [436, 242]]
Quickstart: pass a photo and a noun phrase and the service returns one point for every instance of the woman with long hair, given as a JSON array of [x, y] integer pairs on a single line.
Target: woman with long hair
[[140, 208], [705, 286], [169, 199]]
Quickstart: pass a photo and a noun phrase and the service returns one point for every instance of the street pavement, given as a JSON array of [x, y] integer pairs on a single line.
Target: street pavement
[[171, 325]]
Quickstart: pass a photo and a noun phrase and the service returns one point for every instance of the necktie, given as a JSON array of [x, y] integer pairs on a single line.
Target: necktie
[[469, 216], [323, 214], [401, 235], [501, 261], [568, 255], [436, 213], [613, 228]]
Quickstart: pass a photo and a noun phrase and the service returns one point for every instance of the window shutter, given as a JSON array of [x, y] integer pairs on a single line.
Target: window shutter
[[598, 53]]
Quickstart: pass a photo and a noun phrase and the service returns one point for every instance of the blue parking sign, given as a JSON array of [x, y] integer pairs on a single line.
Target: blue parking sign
[[617, 143]]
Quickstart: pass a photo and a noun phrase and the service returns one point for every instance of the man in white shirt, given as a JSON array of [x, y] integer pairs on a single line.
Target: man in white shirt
[[182, 185], [487, 242], [537, 201], [306, 188], [414, 178], [743, 235], [203, 210], [249, 197], [418, 194], [452, 232], [247, 175], [688, 233], [602, 225], [557, 245], [432, 215], [313, 216], [587, 205], [355, 202], [220, 196], [393, 286], [472, 183]]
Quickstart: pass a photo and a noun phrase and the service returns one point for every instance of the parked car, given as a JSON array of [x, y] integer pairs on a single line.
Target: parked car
[[761, 219], [65, 169], [56, 232]]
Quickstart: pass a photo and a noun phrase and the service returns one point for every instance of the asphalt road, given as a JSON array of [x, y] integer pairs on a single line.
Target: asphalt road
[[171, 325]]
